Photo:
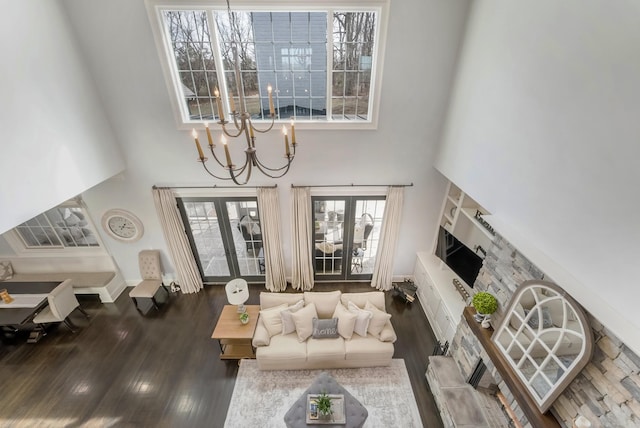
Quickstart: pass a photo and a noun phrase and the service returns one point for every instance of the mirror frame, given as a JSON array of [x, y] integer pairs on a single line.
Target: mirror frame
[[583, 357]]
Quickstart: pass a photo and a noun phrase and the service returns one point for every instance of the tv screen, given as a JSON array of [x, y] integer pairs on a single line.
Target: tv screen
[[460, 258]]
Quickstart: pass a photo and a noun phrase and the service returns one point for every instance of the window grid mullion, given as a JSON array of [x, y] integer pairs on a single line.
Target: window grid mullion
[[329, 91], [50, 227], [57, 230], [217, 57]]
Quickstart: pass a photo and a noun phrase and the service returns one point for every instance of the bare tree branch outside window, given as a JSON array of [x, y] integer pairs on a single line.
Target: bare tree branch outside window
[[284, 49]]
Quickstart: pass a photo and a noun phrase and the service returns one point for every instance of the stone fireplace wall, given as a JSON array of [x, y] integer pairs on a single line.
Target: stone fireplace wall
[[607, 391]]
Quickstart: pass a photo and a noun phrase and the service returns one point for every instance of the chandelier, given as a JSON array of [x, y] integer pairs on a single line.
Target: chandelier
[[240, 124]]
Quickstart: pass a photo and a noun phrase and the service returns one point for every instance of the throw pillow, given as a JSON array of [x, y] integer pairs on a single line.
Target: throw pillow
[[288, 326], [325, 329], [272, 320], [303, 319], [378, 319], [388, 334], [346, 321], [362, 319], [547, 322], [6, 271], [325, 301]]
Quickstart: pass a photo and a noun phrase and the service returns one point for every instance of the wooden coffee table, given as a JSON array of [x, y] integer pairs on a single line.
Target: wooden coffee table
[[233, 336]]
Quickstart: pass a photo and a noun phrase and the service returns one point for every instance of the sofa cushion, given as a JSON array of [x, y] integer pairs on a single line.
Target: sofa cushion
[[388, 334], [269, 300], [288, 326], [284, 348], [261, 336], [346, 321], [325, 349], [325, 302], [360, 299], [363, 317], [272, 320], [6, 270], [325, 329], [378, 320], [303, 319], [363, 348]]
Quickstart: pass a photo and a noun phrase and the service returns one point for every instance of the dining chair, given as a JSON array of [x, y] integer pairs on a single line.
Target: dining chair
[[151, 272], [62, 302]]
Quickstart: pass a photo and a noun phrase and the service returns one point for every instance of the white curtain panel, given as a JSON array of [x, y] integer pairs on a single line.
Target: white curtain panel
[[302, 272], [275, 275], [187, 272], [383, 269]]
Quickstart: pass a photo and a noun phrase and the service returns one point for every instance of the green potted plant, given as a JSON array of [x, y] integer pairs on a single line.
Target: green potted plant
[[324, 405], [485, 304], [244, 318]]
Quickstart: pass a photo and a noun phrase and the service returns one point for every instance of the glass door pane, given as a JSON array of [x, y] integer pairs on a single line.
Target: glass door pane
[[367, 223], [225, 237], [346, 236], [247, 236], [329, 218], [206, 236]]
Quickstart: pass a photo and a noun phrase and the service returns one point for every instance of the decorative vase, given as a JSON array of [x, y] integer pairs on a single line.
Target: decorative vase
[[486, 323], [479, 317], [244, 318], [6, 297]]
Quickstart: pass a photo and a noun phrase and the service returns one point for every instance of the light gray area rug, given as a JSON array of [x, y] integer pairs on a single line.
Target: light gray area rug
[[261, 398]]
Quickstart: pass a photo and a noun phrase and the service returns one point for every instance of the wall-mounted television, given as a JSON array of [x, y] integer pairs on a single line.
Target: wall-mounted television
[[460, 258]]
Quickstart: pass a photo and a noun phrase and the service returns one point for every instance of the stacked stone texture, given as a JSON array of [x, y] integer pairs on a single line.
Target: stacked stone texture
[[607, 391]]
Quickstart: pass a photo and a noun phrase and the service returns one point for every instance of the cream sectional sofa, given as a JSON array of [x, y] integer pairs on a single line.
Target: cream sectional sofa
[[277, 351]]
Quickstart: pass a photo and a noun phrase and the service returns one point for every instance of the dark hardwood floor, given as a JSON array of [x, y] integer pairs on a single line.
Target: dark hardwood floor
[[161, 370]]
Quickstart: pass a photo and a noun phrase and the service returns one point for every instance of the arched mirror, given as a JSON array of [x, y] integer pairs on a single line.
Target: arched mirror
[[546, 338]]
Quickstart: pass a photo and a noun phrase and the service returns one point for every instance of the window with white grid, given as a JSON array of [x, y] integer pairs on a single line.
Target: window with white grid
[[320, 60], [60, 227]]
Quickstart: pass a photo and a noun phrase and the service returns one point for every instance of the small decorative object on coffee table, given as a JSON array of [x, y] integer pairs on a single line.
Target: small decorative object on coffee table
[[323, 401], [325, 409], [485, 304], [244, 318]]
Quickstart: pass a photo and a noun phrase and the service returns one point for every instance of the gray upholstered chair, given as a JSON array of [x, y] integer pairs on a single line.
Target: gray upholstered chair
[[62, 302], [151, 272]]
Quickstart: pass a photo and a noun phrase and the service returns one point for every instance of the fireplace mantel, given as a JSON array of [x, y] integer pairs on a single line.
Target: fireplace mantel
[[518, 390]]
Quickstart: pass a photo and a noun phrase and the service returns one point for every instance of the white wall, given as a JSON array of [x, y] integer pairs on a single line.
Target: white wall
[[117, 42], [543, 131], [56, 142]]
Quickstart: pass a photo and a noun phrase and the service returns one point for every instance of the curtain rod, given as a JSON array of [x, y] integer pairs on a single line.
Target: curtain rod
[[215, 186], [356, 185]]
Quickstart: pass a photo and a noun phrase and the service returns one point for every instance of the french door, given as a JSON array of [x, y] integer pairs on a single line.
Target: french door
[[346, 236], [225, 237]]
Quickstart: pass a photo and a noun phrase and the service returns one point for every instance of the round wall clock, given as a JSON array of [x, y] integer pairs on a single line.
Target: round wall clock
[[122, 225]]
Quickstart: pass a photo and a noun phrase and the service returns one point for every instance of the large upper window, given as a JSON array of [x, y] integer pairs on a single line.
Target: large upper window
[[321, 61]]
